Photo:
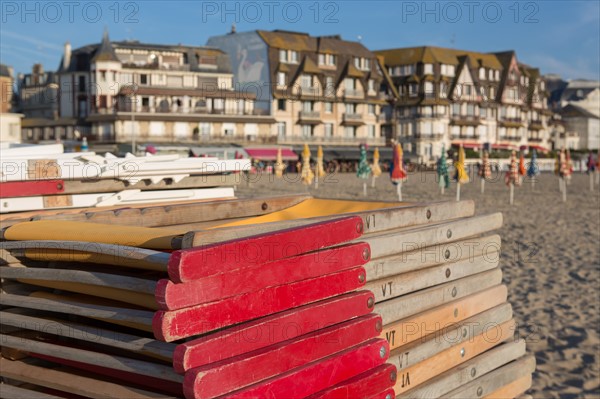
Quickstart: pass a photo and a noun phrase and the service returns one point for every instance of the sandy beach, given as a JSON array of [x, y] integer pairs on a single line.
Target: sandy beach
[[550, 259]]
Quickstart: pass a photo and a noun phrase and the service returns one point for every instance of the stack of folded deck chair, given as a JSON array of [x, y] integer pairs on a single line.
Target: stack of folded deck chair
[[38, 177], [262, 298]]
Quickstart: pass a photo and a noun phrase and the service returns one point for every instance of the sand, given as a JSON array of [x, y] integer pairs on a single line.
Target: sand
[[550, 259]]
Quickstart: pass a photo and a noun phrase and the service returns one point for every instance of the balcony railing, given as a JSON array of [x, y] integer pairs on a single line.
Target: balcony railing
[[332, 140], [309, 115], [535, 139], [429, 136], [474, 136], [353, 93], [309, 90], [351, 117], [511, 138]]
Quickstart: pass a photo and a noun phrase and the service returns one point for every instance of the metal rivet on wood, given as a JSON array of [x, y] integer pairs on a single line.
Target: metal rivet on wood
[[378, 326], [359, 227], [428, 214], [473, 372], [447, 254], [361, 278], [455, 312], [462, 352], [449, 233], [448, 273], [382, 352], [264, 206], [393, 376], [479, 391], [370, 302], [366, 254], [454, 292]]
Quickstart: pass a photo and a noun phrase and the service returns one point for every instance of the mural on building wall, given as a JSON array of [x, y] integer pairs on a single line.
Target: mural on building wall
[[249, 64]]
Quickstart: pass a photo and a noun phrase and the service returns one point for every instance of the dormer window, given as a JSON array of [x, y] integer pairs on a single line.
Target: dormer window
[[288, 56], [482, 73], [428, 69], [362, 63], [281, 79], [327, 60]]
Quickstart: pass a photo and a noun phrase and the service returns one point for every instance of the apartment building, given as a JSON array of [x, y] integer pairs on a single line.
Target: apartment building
[[450, 97], [10, 122], [318, 89], [124, 90]]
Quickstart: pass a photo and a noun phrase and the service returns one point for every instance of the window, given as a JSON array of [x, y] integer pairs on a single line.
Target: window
[[468, 90], [497, 75], [281, 104], [283, 56], [81, 83], [367, 64], [280, 79], [428, 69], [329, 85], [143, 79], [350, 131], [307, 106], [218, 103], [349, 84], [483, 112], [371, 85], [427, 111], [145, 102], [492, 92], [371, 109], [307, 131], [443, 90], [329, 130], [450, 70], [326, 59], [429, 92], [447, 70], [350, 108], [103, 76], [455, 109], [371, 131], [413, 89], [101, 102], [321, 59], [294, 57], [281, 129], [482, 73], [328, 107], [470, 109], [331, 59], [204, 128], [305, 81], [357, 62]]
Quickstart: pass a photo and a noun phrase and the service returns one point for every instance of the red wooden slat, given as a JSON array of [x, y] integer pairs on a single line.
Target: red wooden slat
[[316, 376], [364, 385], [194, 263], [171, 296], [241, 371], [171, 325], [270, 330], [31, 188]]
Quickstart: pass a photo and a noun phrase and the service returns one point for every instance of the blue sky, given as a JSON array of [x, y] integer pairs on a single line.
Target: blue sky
[[557, 36]]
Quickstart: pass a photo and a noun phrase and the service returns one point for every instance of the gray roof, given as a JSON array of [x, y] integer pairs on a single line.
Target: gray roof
[[5, 71]]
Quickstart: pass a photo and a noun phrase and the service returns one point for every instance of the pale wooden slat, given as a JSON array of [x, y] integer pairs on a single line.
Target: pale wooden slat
[[12, 392], [374, 221], [68, 382], [23, 318], [490, 382], [406, 283], [417, 256], [93, 358], [512, 390], [467, 372], [415, 352], [422, 372], [393, 242], [404, 306], [112, 314]]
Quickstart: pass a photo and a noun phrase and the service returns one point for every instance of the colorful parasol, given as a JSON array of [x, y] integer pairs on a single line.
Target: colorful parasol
[[522, 169], [533, 169], [397, 172], [512, 175], [461, 175], [375, 168]]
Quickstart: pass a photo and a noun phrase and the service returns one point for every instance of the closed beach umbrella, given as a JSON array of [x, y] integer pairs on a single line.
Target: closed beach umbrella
[[364, 170], [486, 171], [279, 166], [307, 173], [319, 170], [533, 169], [591, 169], [522, 169], [375, 168], [442, 171], [512, 176], [398, 174], [461, 174]]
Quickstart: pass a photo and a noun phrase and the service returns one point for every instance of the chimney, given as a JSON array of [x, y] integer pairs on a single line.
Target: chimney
[[67, 56]]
